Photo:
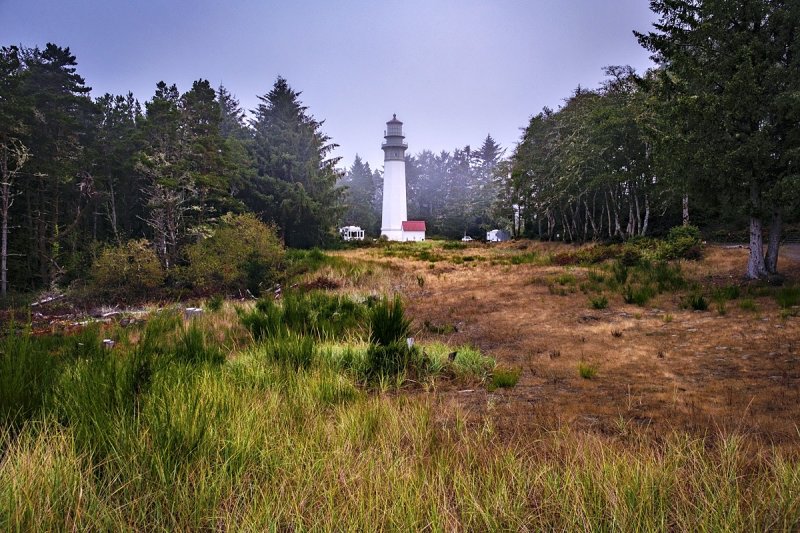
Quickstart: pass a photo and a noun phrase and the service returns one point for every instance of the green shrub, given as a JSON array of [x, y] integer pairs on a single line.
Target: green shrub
[[682, 242], [127, 272], [453, 245], [599, 302], [504, 378], [243, 253]]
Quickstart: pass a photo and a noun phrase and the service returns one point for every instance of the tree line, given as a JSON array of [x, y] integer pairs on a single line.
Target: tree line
[[713, 130], [80, 173]]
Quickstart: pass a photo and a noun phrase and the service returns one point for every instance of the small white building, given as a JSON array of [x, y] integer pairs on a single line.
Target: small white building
[[497, 235], [351, 233], [413, 230]]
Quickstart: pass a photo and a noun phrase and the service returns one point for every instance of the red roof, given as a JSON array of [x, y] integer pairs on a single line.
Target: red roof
[[414, 225]]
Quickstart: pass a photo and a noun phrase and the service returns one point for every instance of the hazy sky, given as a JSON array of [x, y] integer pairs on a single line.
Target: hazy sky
[[453, 71]]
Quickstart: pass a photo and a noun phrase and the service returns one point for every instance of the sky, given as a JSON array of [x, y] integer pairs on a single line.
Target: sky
[[452, 70]]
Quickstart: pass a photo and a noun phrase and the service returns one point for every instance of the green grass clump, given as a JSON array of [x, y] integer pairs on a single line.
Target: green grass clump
[[215, 303], [598, 302], [587, 370], [638, 295], [504, 378], [748, 304], [525, 258], [28, 373], [728, 292], [788, 297], [453, 245], [696, 301]]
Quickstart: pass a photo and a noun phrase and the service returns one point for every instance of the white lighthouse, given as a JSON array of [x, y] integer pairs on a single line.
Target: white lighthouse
[[394, 223]]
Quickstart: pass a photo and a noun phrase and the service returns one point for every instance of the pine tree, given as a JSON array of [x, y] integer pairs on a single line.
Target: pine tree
[[295, 186]]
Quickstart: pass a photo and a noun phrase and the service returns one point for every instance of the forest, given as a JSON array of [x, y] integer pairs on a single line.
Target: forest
[[708, 137]]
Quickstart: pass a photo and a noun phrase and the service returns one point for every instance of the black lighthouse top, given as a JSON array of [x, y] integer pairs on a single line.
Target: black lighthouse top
[[394, 147]]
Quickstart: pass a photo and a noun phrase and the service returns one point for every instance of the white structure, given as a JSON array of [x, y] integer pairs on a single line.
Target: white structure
[[395, 213], [351, 233], [497, 235], [413, 230]]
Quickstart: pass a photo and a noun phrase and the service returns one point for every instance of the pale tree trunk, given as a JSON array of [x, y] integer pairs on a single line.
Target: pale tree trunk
[[17, 154], [646, 215], [755, 265], [774, 243], [685, 208]]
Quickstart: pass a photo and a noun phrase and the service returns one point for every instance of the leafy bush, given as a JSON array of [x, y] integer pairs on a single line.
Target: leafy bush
[[682, 242], [243, 253], [127, 272]]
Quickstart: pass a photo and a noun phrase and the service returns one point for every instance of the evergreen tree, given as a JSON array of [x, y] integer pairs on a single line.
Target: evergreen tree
[[736, 67], [359, 196], [295, 186]]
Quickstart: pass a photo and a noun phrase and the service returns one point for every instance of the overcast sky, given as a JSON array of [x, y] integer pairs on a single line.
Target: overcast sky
[[453, 71]]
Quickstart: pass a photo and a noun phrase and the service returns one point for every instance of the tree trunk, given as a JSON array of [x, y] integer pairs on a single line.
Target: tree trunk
[[685, 208], [646, 216], [755, 265], [773, 246]]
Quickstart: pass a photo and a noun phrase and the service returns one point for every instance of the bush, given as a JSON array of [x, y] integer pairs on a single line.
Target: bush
[[243, 253], [127, 272], [682, 242]]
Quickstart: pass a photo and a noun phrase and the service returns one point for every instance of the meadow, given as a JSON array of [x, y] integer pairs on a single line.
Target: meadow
[[547, 388]]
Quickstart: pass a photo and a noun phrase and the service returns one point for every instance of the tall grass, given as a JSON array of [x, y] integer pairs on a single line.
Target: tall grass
[[143, 438]]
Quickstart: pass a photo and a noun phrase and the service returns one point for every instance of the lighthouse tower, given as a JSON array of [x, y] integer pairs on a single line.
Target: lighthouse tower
[[394, 181]]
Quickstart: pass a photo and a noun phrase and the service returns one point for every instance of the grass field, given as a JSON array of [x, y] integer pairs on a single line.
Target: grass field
[[520, 406]]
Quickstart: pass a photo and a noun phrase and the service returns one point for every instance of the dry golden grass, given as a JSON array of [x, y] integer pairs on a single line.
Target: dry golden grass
[[670, 369]]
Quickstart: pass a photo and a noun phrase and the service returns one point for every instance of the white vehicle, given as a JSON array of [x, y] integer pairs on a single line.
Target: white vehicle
[[466, 238]]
